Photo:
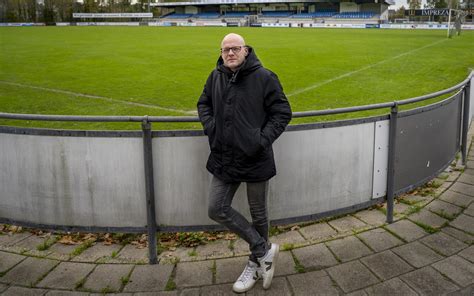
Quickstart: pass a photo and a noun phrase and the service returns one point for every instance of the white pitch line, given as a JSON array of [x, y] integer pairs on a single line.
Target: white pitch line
[[98, 97], [316, 85]]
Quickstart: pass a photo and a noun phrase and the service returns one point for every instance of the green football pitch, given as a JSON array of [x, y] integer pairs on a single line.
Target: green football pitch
[[161, 71]]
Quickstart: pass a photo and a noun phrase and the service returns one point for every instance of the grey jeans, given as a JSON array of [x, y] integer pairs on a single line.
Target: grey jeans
[[220, 210]]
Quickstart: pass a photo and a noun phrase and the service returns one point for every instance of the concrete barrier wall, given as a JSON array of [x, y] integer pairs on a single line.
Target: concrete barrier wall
[[322, 170], [427, 142], [319, 170], [471, 113], [86, 179], [73, 181]]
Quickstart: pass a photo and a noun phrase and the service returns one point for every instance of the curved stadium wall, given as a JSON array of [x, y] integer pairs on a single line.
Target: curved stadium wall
[[96, 180]]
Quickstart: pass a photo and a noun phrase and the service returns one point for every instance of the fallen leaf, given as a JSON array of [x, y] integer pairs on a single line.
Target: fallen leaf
[[230, 236], [67, 240]]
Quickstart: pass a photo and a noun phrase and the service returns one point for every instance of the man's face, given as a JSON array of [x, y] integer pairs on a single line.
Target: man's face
[[233, 52]]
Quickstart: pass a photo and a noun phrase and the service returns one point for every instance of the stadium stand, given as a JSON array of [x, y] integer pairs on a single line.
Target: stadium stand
[[277, 13], [177, 16], [355, 15], [274, 14], [207, 15], [236, 14], [258, 12], [313, 15]]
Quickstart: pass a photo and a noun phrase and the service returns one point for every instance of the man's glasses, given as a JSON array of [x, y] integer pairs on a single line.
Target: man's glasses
[[235, 49]]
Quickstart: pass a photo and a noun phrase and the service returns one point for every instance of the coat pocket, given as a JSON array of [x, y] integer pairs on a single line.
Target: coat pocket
[[248, 141], [211, 135]]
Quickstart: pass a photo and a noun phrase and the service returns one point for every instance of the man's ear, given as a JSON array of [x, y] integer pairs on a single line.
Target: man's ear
[[246, 51]]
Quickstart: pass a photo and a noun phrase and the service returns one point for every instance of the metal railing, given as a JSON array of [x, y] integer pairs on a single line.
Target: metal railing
[[146, 125]]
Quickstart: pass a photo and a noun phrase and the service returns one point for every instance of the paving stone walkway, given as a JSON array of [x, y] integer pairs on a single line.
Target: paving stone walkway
[[428, 250]]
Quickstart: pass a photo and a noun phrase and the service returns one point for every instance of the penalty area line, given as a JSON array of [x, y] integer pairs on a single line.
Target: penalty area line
[[66, 92], [316, 85]]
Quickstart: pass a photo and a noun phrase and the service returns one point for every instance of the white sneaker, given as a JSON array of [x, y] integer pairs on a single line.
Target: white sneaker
[[267, 265], [248, 278]]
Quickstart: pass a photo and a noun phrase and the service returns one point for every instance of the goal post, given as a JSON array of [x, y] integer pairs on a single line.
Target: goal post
[[455, 19]]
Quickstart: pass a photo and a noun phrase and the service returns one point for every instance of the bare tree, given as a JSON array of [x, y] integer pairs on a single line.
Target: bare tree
[[51, 11], [414, 4]]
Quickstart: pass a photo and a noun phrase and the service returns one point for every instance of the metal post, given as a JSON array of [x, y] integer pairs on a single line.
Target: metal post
[[150, 190], [391, 161], [449, 23], [465, 121]]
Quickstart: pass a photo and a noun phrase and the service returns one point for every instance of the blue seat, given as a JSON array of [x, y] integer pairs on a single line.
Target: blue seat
[[355, 15], [207, 15], [277, 13], [236, 14], [177, 16], [314, 14]]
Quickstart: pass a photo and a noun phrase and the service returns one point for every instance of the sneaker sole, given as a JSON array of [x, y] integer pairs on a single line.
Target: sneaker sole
[[268, 282], [243, 290]]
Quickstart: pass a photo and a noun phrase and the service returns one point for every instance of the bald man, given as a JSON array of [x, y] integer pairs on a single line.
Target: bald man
[[243, 111]]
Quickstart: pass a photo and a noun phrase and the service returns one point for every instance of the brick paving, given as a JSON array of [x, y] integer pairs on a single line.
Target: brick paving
[[406, 230], [427, 281], [386, 265], [347, 224], [379, 239], [348, 248], [429, 252], [149, 278], [315, 256], [286, 264], [425, 217]]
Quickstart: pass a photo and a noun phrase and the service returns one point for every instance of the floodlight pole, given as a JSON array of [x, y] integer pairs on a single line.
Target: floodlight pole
[[449, 22]]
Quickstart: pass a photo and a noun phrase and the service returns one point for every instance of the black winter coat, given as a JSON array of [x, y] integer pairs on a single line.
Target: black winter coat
[[243, 113]]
